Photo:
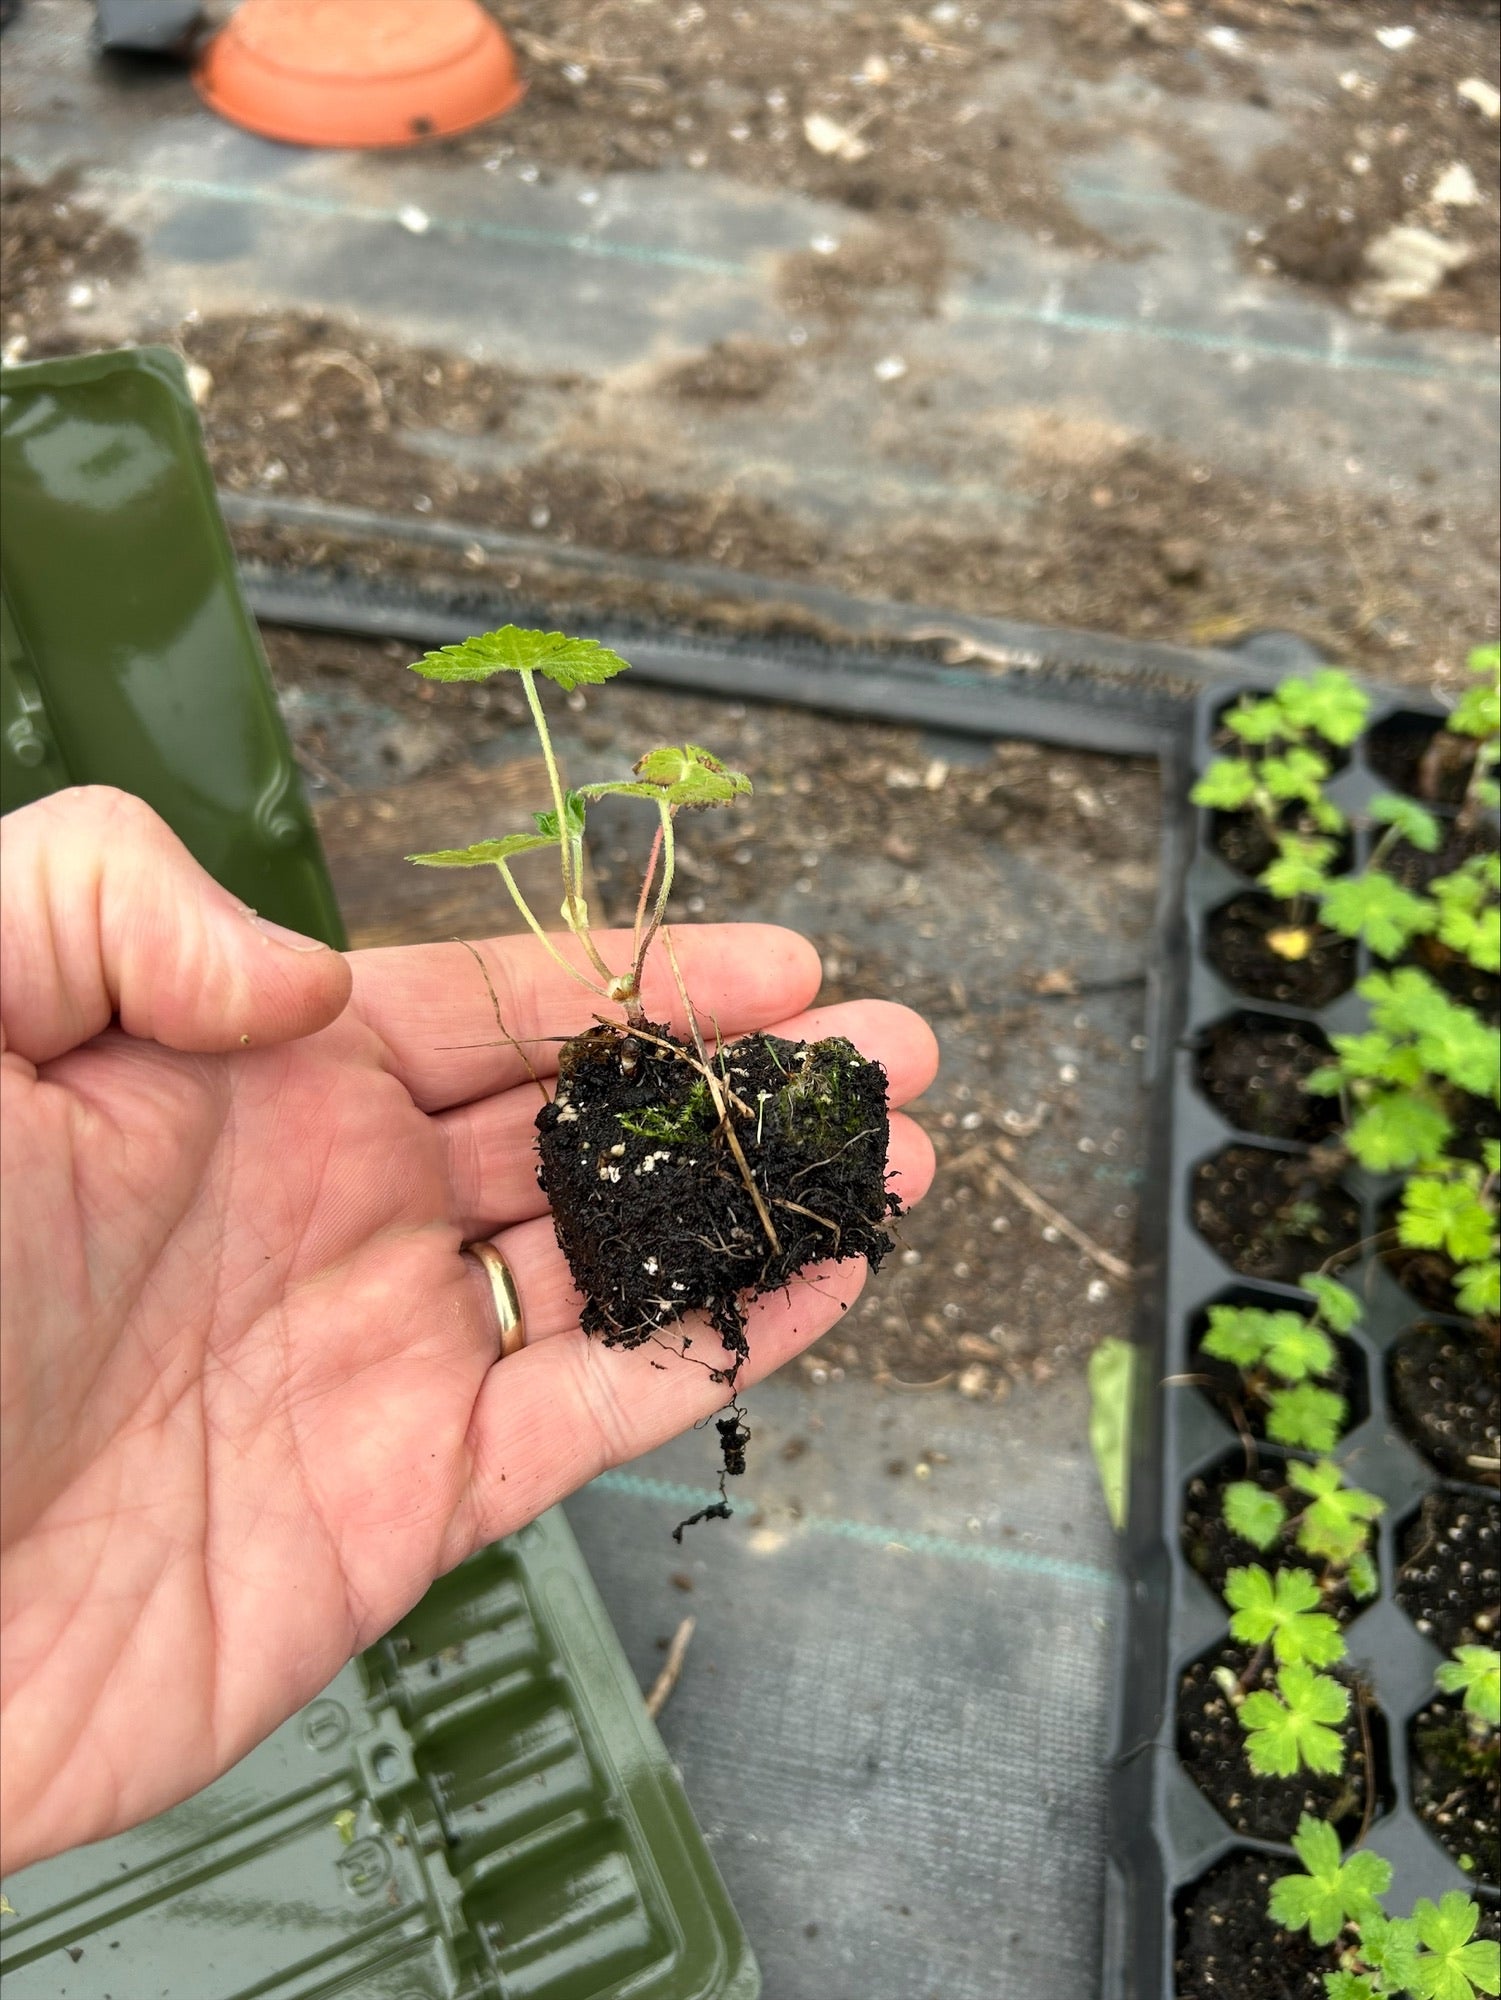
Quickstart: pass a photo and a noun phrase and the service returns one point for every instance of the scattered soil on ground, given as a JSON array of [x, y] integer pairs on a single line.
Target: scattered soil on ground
[[50, 241], [1253, 1069], [1237, 946], [1449, 1583], [737, 370], [1229, 1948], [1214, 1549], [1446, 1388], [1455, 1787], [842, 279], [1212, 1747], [1272, 1215], [1376, 153]]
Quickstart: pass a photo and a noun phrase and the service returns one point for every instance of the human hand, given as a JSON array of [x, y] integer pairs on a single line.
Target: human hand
[[249, 1398]]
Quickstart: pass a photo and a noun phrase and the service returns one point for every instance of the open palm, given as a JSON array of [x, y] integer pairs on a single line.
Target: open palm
[[250, 1398]]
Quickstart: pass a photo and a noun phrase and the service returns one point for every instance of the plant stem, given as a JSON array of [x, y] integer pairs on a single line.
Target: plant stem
[[534, 703], [669, 860], [646, 881], [547, 944]]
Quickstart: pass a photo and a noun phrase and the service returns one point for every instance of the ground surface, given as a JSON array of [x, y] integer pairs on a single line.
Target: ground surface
[[1086, 334]]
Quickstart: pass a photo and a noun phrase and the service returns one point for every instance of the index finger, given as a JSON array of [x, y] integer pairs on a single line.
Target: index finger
[[429, 1005]]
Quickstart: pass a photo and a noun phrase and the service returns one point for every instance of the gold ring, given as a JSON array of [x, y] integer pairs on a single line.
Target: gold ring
[[503, 1291]]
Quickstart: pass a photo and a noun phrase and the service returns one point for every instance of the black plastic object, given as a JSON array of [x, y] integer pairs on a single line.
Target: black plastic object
[[1165, 1834], [147, 27], [476, 1809], [127, 655]]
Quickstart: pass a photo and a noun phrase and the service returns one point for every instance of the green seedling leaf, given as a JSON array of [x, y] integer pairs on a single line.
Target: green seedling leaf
[[685, 775], [1349, 1986], [1252, 1513], [1373, 1057], [1446, 1215], [1282, 1609], [1299, 1349], [1339, 1308], [1306, 1418], [1477, 1289], [1449, 1039], [1237, 1334], [569, 663], [1257, 722], [1475, 1672], [1336, 1522], [1478, 710], [1361, 1576], [1293, 1728], [1374, 907], [1414, 823], [1111, 1373], [574, 811], [1333, 1892], [483, 852], [1389, 1945], [1327, 701], [1298, 774], [1227, 785], [1398, 1129], [1301, 867], [1453, 1967]]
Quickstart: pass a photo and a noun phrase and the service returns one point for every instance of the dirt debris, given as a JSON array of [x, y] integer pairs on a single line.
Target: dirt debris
[[57, 250]]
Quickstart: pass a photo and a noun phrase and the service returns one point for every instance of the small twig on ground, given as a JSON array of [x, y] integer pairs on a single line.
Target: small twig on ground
[[672, 1667], [1109, 1263]]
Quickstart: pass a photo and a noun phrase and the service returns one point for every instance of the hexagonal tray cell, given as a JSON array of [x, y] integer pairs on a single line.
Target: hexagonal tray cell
[[1445, 1378], [1272, 1215], [1456, 1786], [1212, 1750], [1415, 754], [1449, 1568], [1243, 843], [1214, 1549], [1236, 946], [1415, 870], [1234, 1397], [1226, 1947], [1252, 1068]]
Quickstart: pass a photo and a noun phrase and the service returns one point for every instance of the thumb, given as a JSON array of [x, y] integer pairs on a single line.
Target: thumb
[[104, 914]]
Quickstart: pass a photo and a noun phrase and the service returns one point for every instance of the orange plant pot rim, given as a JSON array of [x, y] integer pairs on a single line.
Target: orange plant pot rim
[[363, 73]]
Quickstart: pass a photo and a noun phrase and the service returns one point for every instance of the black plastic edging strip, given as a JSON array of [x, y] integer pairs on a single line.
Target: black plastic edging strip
[[1014, 643], [1132, 721]]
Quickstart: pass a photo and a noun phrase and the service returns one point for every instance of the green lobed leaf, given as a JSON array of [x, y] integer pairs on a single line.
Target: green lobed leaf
[[482, 852], [574, 811], [1336, 1523], [680, 775], [1456, 1965], [1339, 1308], [1282, 1609], [1327, 701], [1374, 907], [1477, 1289], [1306, 1417], [1298, 774], [1448, 1215], [1252, 1513], [1398, 1129], [1237, 1334], [1292, 1728], [1389, 1945], [1475, 1672], [1257, 722], [570, 663], [1361, 1576], [1414, 823], [1301, 866], [1332, 1892], [1349, 1986], [1226, 786]]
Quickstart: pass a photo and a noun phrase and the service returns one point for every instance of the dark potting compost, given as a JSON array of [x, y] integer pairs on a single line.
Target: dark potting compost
[[1240, 951]]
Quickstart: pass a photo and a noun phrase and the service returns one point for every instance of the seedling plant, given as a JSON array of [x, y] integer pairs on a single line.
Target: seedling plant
[[682, 1177]]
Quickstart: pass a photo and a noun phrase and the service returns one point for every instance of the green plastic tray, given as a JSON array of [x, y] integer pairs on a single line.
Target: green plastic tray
[[477, 1806], [127, 656]]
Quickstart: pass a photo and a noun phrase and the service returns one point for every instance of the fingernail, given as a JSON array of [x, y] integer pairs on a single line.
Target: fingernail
[[279, 934]]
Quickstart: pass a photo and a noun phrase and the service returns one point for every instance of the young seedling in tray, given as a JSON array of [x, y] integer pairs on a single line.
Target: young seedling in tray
[[681, 1180]]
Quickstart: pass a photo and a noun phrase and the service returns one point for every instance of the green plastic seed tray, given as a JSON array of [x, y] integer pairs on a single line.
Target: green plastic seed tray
[[127, 656], [477, 1806]]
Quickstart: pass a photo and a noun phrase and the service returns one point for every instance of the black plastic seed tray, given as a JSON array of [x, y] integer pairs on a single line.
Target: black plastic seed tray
[[1166, 1836]]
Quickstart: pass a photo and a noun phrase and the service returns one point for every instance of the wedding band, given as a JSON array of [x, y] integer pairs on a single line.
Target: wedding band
[[503, 1291]]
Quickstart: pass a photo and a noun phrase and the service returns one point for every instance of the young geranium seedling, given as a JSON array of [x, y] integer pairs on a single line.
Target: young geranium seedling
[[1295, 1726], [680, 1181], [1336, 1520], [1454, 1963], [1332, 1892]]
